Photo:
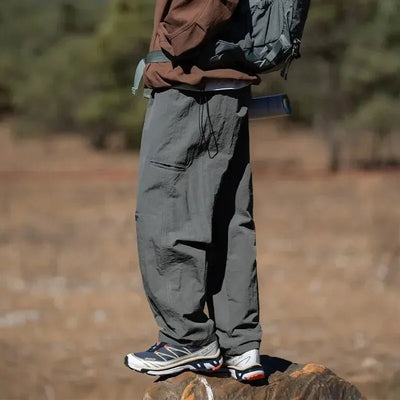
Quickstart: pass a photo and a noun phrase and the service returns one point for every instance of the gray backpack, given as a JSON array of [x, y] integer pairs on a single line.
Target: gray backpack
[[262, 36]]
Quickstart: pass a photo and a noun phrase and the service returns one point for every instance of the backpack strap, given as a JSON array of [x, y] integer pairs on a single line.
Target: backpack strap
[[156, 56], [138, 75], [277, 48]]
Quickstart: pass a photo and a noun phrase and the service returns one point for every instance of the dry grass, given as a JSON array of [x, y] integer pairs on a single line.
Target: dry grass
[[70, 291]]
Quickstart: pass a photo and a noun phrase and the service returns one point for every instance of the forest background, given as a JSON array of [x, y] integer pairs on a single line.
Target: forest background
[[68, 66]]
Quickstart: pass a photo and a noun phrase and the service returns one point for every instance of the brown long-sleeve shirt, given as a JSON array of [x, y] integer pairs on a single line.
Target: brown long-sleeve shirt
[[180, 26]]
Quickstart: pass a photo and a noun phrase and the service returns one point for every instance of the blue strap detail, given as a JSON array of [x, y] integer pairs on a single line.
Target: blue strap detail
[[154, 56], [138, 75]]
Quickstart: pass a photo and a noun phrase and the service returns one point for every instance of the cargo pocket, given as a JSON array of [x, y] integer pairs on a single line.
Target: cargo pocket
[[176, 136]]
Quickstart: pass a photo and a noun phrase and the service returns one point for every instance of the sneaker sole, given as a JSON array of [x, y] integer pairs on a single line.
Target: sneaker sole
[[249, 374], [201, 365]]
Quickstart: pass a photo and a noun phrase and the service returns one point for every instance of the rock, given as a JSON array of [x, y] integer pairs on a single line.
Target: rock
[[285, 381]]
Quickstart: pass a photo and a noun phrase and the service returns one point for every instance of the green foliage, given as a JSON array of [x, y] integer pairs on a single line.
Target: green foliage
[[52, 90], [348, 80], [31, 28], [379, 114], [121, 40], [21, 38], [373, 56], [45, 60], [69, 65]]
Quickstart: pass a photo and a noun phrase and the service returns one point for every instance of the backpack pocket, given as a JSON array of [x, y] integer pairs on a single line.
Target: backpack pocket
[[267, 22], [270, 36], [262, 36]]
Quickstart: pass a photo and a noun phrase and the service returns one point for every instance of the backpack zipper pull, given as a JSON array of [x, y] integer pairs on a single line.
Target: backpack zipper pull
[[293, 55]]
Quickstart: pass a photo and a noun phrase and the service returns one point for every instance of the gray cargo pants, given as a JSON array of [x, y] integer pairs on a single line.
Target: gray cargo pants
[[194, 219]]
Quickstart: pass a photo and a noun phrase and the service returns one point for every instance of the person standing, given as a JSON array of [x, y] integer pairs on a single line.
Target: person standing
[[194, 214]]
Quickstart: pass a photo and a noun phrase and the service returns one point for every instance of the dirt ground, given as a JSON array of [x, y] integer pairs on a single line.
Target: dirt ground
[[71, 301]]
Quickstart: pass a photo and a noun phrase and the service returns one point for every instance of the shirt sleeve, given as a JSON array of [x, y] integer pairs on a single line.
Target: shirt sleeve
[[189, 23]]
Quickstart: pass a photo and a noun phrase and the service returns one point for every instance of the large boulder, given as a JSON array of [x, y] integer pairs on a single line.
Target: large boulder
[[284, 381]]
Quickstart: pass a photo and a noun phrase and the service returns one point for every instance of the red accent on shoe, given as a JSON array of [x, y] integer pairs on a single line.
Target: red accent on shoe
[[255, 377], [217, 367]]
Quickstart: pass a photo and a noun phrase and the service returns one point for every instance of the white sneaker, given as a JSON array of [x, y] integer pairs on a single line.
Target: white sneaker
[[245, 367], [165, 359]]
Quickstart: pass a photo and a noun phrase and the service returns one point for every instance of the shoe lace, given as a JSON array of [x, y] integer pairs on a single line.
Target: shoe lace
[[155, 347]]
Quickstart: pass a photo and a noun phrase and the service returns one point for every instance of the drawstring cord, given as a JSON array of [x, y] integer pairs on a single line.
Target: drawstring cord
[[205, 108]]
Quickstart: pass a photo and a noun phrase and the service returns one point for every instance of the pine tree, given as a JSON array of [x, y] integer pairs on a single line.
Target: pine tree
[[122, 40]]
